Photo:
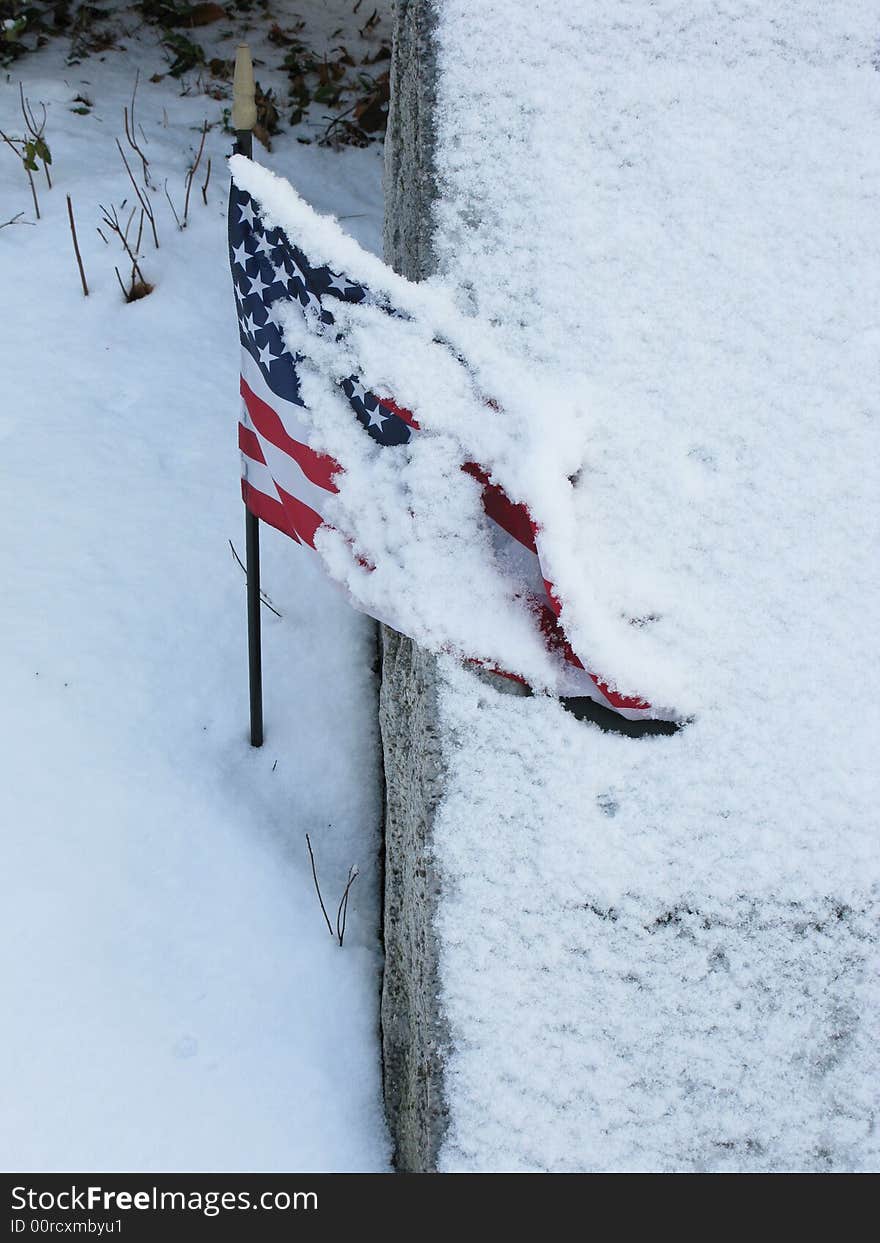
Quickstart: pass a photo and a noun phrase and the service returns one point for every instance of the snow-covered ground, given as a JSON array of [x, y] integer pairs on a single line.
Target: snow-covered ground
[[656, 953], [173, 999]]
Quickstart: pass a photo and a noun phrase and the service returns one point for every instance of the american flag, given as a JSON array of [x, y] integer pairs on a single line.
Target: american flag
[[285, 483]]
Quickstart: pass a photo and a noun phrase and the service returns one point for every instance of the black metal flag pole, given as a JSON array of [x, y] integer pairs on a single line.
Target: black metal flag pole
[[244, 117]]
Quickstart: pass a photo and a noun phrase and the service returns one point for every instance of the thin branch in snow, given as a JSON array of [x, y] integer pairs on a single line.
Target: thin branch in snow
[[144, 201], [171, 205], [342, 909], [192, 172], [128, 120], [317, 886], [342, 912], [139, 287], [263, 597], [79, 262]]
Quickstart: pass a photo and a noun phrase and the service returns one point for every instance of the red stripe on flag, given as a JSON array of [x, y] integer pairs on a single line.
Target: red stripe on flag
[[514, 519], [268, 510], [557, 641], [317, 467], [304, 519], [552, 597], [616, 700], [249, 444]]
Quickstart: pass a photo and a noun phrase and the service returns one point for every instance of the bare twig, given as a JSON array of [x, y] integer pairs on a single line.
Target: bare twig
[[15, 220], [342, 912], [102, 237], [318, 887], [79, 262], [137, 245], [205, 186], [263, 597], [192, 171], [171, 205], [144, 201], [128, 222], [111, 220], [342, 909], [128, 119]]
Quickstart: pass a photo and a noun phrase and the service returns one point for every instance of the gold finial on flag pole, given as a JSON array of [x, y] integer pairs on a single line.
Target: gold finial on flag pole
[[244, 108]]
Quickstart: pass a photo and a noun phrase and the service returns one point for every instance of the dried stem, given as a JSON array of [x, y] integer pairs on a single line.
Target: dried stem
[[145, 204], [264, 599], [79, 262], [342, 912], [171, 205], [205, 186], [192, 172], [318, 887], [129, 123], [111, 220]]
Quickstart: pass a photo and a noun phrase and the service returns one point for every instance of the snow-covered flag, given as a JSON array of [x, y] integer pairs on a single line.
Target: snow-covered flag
[[286, 483]]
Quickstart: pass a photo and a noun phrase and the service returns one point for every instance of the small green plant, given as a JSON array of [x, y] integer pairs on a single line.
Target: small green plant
[[35, 147], [91, 31], [13, 27], [16, 146], [185, 55], [32, 148], [356, 102], [14, 23]]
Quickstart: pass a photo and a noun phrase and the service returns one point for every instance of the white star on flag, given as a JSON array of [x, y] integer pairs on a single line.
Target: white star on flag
[[240, 255], [257, 285], [359, 393], [377, 417], [247, 213], [267, 358], [310, 304], [340, 283]]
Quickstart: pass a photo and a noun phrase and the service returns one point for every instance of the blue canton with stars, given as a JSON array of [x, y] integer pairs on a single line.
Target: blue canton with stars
[[267, 271]]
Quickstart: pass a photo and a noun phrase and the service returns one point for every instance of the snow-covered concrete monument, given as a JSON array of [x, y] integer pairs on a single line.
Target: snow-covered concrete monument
[[413, 1029], [650, 954]]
